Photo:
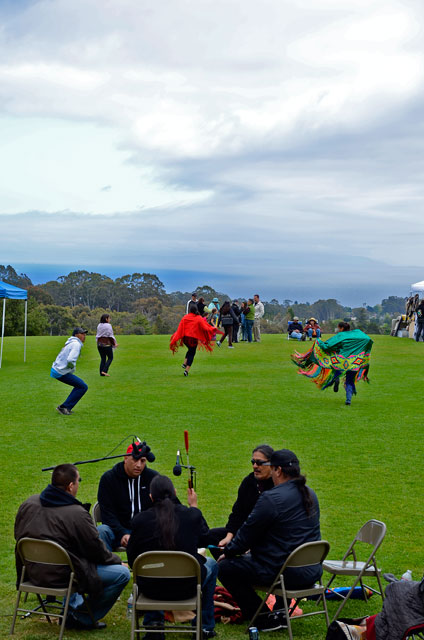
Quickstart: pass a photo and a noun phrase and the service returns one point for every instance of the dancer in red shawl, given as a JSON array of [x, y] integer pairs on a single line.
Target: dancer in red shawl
[[193, 331]]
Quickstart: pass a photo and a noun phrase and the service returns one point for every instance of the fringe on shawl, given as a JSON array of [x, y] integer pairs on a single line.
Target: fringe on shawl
[[323, 377], [207, 346]]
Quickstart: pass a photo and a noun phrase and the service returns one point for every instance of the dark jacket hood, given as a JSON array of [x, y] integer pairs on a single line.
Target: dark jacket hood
[[55, 497]]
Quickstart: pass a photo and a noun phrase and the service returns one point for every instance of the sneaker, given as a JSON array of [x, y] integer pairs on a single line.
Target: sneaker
[[64, 411], [336, 386], [218, 344], [347, 402], [230, 346], [185, 373], [183, 366], [272, 621], [72, 622]]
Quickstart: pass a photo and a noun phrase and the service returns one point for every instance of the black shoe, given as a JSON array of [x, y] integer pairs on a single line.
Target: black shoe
[[64, 411], [336, 386], [185, 373], [155, 635], [347, 403], [272, 621], [73, 623], [205, 634], [183, 366]]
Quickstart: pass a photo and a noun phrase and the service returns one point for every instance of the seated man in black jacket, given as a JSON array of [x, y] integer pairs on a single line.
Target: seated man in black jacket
[[258, 481], [283, 518], [123, 492]]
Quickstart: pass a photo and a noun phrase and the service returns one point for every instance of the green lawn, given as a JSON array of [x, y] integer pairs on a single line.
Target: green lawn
[[363, 461]]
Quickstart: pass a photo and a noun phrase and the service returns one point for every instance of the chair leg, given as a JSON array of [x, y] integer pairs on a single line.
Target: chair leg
[[15, 613]]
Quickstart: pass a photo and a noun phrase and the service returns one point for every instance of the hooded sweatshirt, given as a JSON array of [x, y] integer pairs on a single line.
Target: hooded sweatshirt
[[56, 515], [121, 497], [67, 359]]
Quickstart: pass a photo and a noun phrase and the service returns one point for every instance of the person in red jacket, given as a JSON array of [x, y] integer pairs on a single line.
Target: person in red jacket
[[193, 331]]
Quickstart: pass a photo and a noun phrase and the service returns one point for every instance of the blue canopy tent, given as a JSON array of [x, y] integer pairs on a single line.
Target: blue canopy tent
[[13, 293]]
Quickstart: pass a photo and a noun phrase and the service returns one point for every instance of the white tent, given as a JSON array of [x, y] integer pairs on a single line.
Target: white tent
[[418, 287]]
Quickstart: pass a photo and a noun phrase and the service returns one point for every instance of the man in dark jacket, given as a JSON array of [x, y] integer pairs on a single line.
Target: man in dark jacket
[[57, 515], [123, 492], [283, 518], [251, 488]]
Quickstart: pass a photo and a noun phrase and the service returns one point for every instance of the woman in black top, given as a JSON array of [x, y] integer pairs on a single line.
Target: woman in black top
[[227, 317], [169, 525]]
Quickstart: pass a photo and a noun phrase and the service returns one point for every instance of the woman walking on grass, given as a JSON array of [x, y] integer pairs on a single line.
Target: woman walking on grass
[[106, 343], [227, 318], [193, 331]]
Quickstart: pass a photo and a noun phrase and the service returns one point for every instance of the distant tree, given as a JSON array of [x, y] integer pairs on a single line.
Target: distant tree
[[9, 275], [60, 320], [393, 305], [327, 309], [40, 295]]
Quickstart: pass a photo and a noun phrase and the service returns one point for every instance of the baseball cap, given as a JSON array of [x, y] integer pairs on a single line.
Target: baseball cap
[[79, 330], [283, 458]]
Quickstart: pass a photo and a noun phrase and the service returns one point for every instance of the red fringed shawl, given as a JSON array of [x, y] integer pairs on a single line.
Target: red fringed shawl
[[194, 326]]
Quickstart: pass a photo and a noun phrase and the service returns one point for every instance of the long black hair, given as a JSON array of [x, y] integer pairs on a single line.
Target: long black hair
[[225, 308], [193, 308], [293, 471], [163, 492], [103, 319]]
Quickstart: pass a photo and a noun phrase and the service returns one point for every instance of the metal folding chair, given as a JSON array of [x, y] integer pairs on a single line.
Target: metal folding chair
[[308, 554], [34, 552], [169, 565], [371, 533]]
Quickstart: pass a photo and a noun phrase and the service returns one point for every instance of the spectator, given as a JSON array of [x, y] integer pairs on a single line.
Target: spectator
[[295, 329], [192, 299], [259, 312], [227, 318], [249, 314], [312, 329]]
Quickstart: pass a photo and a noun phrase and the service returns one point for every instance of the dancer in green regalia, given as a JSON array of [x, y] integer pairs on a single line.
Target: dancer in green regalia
[[346, 354]]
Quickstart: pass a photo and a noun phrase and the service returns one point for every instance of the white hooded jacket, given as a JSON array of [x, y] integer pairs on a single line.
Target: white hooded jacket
[[67, 359]]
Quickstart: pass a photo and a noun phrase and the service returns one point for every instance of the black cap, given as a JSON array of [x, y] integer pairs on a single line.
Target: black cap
[[141, 450], [79, 330], [283, 458]]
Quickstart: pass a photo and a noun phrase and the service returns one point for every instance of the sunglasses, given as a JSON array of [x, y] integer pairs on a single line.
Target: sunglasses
[[260, 463]]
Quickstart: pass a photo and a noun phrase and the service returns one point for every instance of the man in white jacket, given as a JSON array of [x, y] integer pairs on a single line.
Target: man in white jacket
[[259, 312], [63, 369]]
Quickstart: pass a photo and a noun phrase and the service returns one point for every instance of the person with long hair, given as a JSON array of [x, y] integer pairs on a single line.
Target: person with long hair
[[170, 526], [345, 354], [283, 518], [106, 343], [252, 486], [227, 318], [193, 331]]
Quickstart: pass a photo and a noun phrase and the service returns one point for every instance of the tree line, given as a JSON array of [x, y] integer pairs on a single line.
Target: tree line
[[139, 304]]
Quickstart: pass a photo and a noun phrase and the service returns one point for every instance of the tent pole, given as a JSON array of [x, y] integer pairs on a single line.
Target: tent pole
[[26, 316], [2, 330]]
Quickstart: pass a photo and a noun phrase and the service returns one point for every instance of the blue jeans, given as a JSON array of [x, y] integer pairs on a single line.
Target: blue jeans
[[107, 535], [249, 325], [317, 331], [77, 392], [208, 590], [114, 578], [296, 334], [350, 384]]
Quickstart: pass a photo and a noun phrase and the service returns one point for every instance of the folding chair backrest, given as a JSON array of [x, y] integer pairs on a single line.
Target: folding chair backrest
[[43, 551], [166, 564], [97, 514], [372, 532], [308, 554]]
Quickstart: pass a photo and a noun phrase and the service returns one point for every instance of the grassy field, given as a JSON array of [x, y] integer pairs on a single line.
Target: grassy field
[[363, 461]]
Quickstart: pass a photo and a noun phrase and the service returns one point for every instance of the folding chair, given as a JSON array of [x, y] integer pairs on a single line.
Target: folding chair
[[307, 555], [46, 552], [371, 533], [414, 633], [169, 565], [97, 519]]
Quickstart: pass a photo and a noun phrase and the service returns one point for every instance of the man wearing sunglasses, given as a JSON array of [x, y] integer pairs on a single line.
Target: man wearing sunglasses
[[253, 485], [57, 515]]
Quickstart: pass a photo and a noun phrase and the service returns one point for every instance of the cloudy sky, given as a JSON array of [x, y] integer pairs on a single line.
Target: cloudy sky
[[273, 147]]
